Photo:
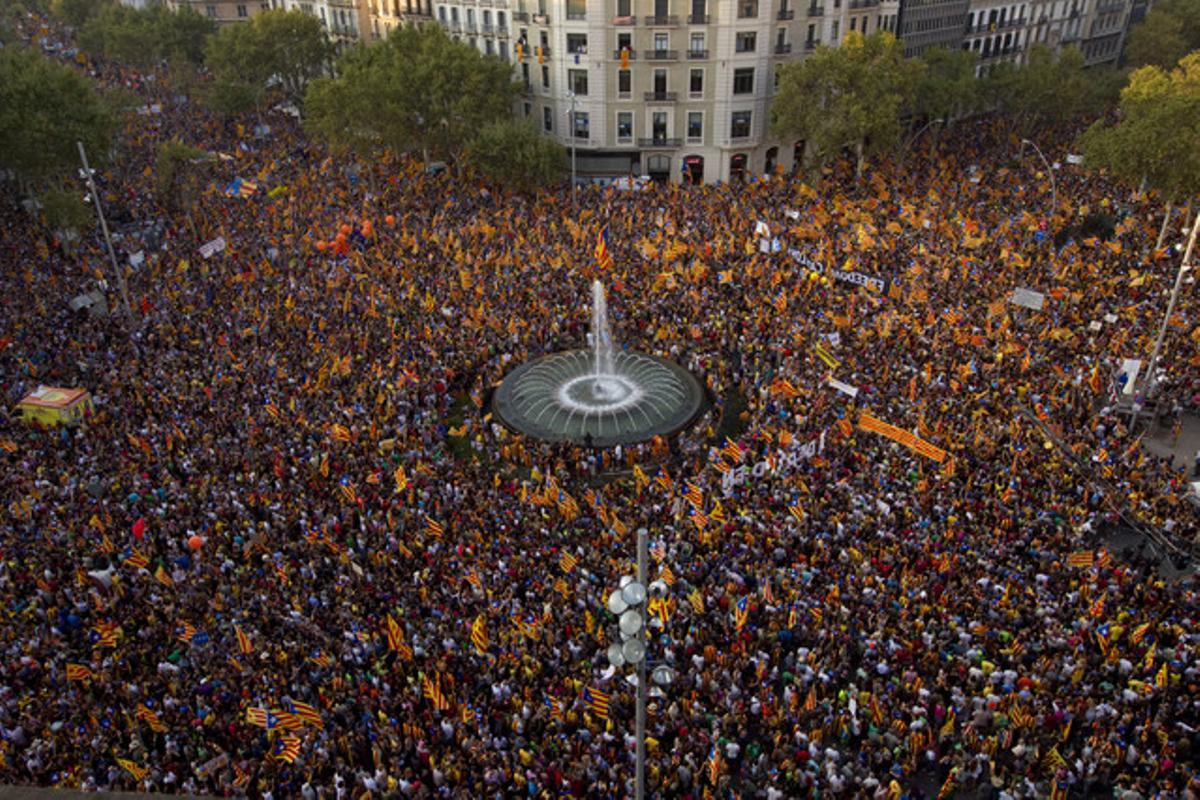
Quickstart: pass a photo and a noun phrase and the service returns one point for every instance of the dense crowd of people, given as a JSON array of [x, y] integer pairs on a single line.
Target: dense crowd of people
[[259, 566]]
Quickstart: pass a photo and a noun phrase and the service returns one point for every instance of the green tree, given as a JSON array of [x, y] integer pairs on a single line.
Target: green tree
[[514, 154], [948, 87], [288, 46], [1157, 41], [64, 210], [77, 12], [1154, 138], [1049, 89], [179, 177], [417, 90], [1188, 14], [45, 108], [847, 97], [143, 37]]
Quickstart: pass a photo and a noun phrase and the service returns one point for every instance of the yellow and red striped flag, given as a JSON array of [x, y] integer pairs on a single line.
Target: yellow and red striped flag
[[79, 672], [479, 636], [244, 644]]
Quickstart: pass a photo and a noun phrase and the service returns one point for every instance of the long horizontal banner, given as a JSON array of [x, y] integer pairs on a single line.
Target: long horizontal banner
[[873, 283], [780, 462], [914, 443]]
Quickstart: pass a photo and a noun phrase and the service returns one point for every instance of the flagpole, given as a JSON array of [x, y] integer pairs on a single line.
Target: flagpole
[[640, 733]]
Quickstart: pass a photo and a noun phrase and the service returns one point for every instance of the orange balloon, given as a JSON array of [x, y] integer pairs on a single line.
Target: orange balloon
[[321, 245], [368, 229], [195, 543], [389, 219], [346, 228]]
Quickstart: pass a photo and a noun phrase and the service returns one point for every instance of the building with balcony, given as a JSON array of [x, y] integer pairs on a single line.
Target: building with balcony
[[223, 12], [345, 20], [386, 15], [675, 89]]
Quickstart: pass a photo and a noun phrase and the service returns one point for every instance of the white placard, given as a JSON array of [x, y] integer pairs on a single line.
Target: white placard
[[209, 249], [761, 229], [137, 259], [1110, 318], [1131, 367], [1074, 158], [844, 388], [1027, 298]]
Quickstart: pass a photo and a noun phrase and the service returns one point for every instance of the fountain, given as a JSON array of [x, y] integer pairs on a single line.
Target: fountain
[[600, 396]]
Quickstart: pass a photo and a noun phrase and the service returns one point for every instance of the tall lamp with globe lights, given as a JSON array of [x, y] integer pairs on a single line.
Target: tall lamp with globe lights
[[628, 604]]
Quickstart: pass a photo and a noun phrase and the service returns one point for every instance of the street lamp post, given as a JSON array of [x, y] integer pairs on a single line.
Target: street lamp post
[[120, 273], [1050, 172], [908, 145], [571, 128], [629, 603], [1152, 367]]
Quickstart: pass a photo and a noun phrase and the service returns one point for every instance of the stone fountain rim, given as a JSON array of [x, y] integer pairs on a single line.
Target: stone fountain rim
[[689, 411]]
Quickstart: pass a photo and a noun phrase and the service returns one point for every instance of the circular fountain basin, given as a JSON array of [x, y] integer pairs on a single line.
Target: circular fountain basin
[[560, 397]]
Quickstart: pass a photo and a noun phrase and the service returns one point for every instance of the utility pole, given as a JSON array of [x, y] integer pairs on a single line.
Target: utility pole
[[1053, 183], [1152, 367], [120, 273]]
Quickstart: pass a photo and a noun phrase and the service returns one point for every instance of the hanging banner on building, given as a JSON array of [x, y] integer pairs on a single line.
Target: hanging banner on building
[[914, 443]]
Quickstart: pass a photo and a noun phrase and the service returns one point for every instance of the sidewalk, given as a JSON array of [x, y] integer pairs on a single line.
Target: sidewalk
[[1159, 442]]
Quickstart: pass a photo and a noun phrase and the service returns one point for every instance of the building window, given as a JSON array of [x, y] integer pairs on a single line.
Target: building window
[[661, 42], [739, 127], [504, 49], [547, 119], [836, 30], [525, 76], [747, 9], [577, 80], [697, 43], [624, 8], [210, 11], [580, 127], [488, 49], [745, 42], [624, 126], [624, 82], [743, 81], [695, 126], [696, 82], [442, 14], [853, 23], [545, 77], [242, 12], [576, 9], [528, 110], [624, 42], [577, 43]]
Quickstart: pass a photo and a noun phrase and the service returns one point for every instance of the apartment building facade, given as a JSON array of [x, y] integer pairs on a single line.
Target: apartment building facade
[[223, 12], [675, 89]]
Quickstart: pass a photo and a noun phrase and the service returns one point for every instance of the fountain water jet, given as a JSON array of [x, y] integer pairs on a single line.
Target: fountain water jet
[[603, 396]]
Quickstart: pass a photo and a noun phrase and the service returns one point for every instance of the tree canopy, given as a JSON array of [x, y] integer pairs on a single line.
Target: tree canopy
[[847, 97], [514, 154], [45, 107], [288, 46], [1155, 136], [146, 36], [948, 87], [419, 89], [1157, 41]]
